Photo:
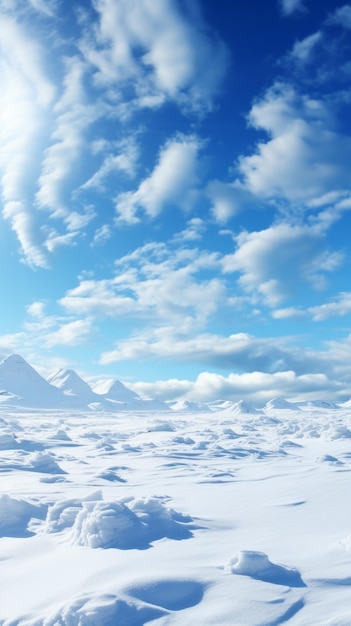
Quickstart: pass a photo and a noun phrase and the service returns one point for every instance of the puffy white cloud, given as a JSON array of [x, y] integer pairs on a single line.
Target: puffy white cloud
[[255, 387], [157, 284], [275, 261], [172, 182], [304, 157], [194, 231]]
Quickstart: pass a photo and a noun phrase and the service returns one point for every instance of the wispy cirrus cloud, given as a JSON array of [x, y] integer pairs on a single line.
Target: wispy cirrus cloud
[[60, 94], [25, 97], [340, 307], [155, 50]]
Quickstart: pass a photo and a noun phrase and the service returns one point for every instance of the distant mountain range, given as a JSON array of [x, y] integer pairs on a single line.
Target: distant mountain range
[[22, 386]]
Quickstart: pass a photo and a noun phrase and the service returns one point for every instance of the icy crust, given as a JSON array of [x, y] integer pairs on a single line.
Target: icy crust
[[125, 524]]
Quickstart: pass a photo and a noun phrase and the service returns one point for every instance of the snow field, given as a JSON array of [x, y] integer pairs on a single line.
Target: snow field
[[242, 519]]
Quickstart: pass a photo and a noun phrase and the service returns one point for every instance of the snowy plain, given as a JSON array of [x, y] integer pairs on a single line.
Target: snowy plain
[[125, 516]]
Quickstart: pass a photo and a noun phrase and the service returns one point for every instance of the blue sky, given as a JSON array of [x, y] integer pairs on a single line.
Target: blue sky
[[176, 194]]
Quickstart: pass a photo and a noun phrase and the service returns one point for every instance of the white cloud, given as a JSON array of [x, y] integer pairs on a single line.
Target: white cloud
[[342, 16], [70, 333], [193, 232], [291, 6], [255, 387], [74, 115], [239, 351], [157, 284], [158, 52], [36, 309], [173, 182], [125, 161], [304, 156], [227, 199], [287, 313], [340, 307], [274, 262], [102, 234], [24, 99], [303, 49]]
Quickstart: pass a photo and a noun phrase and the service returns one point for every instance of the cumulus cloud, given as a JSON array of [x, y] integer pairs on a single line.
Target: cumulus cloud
[[173, 182], [304, 156], [155, 284], [255, 387], [273, 263]]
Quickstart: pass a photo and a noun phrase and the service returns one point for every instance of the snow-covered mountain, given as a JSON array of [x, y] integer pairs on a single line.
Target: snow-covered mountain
[[114, 390], [20, 384], [73, 386], [280, 403], [123, 398]]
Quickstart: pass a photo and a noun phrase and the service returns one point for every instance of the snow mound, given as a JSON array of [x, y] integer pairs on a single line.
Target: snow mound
[[280, 403], [122, 524], [340, 431], [258, 566], [15, 515], [46, 463], [8, 441], [239, 408], [186, 406], [108, 525], [105, 609]]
